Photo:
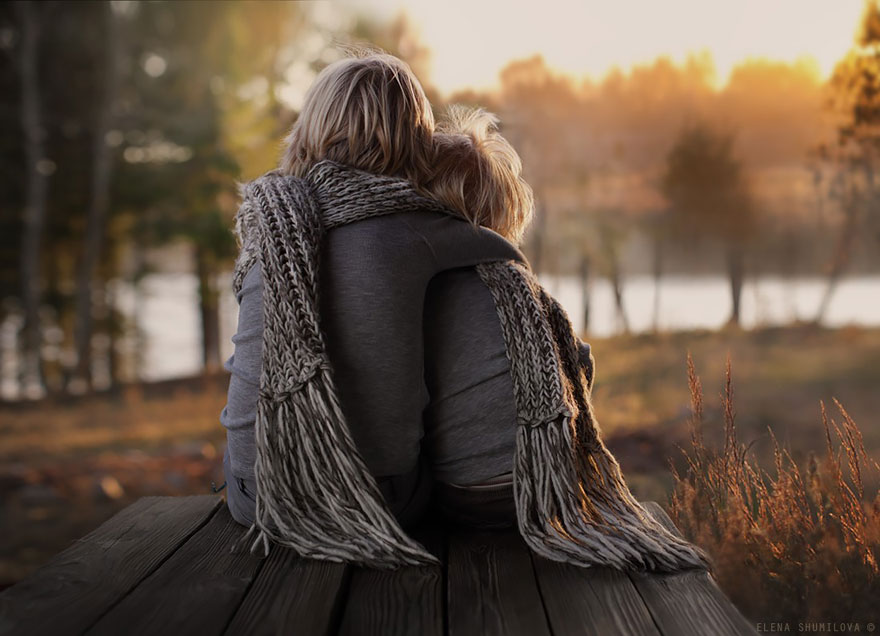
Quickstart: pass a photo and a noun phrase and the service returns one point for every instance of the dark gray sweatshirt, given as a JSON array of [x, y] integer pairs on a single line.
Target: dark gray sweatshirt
[[417, 352]]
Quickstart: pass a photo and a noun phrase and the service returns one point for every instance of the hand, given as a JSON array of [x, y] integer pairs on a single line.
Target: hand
[[587, 362]]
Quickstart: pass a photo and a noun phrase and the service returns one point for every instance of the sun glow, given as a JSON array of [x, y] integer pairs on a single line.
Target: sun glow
[[472, 41]]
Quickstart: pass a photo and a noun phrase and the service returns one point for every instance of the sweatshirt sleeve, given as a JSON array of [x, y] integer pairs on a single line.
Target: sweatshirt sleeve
[[239, 414]]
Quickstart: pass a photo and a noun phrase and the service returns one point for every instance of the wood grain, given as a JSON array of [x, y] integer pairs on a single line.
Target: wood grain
[[688, 602], [292, 595], [591, 600], [196, 591], [78, 585], [404, 601], [491, 586]]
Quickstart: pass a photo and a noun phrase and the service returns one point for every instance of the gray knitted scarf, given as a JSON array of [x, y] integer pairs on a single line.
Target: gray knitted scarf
[[314, 491]]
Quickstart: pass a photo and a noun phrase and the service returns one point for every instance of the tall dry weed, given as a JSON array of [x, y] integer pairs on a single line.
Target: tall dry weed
[[794, 546]]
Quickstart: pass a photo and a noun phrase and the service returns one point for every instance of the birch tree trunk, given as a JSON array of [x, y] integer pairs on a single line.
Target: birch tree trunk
[[539, 232]]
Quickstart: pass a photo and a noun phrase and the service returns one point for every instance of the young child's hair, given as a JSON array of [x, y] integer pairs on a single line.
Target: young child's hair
[[369, 111], [479, 174]]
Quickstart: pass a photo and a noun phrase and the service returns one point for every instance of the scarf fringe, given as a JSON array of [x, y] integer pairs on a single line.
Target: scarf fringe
[[573, 504], [315, 494], [591, 519]]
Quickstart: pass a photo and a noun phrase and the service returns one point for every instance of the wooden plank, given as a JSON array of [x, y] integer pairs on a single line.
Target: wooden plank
[[196, 591], [292, 592], [77, 586], [491, 586], [408, 600], [688, 602], [660, 515], [591, 600]]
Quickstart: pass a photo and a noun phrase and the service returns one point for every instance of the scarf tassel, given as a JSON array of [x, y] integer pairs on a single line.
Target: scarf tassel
[[325, 504], [574, 507]]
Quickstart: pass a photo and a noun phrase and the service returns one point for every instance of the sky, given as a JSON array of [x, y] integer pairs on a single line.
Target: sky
[[472, 40]]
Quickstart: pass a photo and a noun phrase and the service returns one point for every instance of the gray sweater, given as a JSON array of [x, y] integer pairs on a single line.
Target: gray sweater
[[418, 357]]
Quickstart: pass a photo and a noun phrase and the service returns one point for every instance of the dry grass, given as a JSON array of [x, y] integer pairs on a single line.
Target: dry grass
[[800, 545]]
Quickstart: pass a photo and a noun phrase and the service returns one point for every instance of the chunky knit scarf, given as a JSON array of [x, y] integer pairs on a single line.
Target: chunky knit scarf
[[314, 491]]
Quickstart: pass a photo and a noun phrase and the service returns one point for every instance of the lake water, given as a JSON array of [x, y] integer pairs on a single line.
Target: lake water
[[167, 311]]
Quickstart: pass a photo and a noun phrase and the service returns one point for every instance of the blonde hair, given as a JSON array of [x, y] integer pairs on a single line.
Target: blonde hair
[[369, 111], [477, 172]]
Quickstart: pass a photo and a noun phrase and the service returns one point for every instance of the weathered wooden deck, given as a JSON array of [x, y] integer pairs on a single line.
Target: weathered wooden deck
[[163, 566]]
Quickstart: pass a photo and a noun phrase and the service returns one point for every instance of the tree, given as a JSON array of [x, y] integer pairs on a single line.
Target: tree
[[855, 100], [99, 201], [179, 176], [709, 197], [539, 111], [611, 229], [658, 231], [205, 94], [39, 168]]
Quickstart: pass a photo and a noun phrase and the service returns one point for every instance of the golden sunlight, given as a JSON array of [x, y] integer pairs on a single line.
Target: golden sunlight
[[471, 42]]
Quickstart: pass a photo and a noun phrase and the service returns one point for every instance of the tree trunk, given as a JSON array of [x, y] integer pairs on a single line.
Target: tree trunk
[[137, 368], [820, 202], [102, 164], [38, 171], [658, 274], [114, 332], [209, 307], [735, 273], [617, 286], [540, 229], [842, 251], [585, 290]]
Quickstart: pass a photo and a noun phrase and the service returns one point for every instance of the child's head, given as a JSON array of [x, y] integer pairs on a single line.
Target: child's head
[[479, 174], [369, 111]]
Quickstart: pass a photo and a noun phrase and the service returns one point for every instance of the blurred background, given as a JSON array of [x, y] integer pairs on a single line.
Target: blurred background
[[706, 178]]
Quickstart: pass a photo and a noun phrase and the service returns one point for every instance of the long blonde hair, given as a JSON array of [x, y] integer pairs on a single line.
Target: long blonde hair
[[369, 111]]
